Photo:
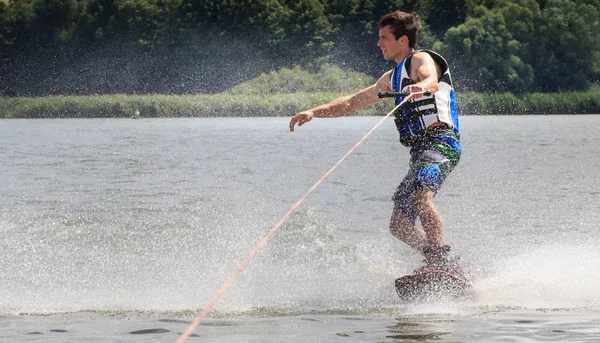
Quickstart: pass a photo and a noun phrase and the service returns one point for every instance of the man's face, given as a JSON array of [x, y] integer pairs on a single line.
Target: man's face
[[390, 47]]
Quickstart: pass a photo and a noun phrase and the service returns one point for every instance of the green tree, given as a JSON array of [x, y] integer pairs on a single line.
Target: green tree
[[189, 46], [5, 23], [486, 54], [522, 18], [354, 26], [443, 14], [566, 44], [355, 32]]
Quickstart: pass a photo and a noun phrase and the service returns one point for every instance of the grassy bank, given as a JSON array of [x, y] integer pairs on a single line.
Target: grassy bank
[[202, 105], [275, 105], [587, 102], [282, 93]]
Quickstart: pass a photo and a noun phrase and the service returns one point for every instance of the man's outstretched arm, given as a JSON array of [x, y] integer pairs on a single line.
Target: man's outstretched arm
[[346, 104]]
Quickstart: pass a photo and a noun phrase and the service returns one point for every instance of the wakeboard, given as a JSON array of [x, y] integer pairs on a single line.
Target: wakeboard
[[428, 285]]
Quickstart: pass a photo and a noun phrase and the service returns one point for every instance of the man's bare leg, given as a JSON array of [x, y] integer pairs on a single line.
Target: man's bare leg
[[431, 220], [402, 226]]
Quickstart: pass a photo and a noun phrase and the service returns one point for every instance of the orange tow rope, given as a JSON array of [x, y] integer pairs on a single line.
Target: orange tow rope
[[186, 334]]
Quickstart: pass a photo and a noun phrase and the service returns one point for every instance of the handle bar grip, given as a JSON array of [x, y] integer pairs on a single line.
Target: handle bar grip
[[395, 94]]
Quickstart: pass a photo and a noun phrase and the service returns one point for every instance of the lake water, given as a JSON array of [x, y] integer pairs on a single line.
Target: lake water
[[121, 230]]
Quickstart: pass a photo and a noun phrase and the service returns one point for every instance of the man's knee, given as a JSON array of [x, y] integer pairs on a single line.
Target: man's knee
[[422, 200], [403, 219]]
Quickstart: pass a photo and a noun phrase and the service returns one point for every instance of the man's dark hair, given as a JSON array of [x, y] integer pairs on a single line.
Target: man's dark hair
[[401, 24]]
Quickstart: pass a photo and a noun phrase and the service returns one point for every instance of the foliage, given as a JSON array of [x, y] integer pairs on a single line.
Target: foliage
[[329, 78], [567, 42], [84, 47], [487, 54], [587, 102], [516, 45], [276, 105], [150, 106], [443, 14]]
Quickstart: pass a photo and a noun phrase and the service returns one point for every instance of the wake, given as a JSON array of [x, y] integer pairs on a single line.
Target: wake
[[548, 277]]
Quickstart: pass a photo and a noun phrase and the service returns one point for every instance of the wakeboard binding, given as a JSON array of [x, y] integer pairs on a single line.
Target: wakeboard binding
[[440, 277]]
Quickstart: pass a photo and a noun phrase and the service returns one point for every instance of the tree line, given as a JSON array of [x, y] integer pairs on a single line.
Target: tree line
[[50, 47]]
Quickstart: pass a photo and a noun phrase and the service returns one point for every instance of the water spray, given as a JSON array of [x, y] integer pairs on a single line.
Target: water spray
[[188, 332]]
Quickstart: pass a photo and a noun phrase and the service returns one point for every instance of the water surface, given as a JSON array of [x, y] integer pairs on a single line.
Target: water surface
[[121, 230]]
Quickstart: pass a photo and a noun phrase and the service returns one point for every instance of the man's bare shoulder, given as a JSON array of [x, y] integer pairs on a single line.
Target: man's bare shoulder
[[422, 56], [421, 62]]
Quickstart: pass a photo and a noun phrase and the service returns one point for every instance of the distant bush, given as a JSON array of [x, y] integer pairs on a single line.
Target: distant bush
[[584, 102], [149, 106], [277, 105], [329, 79]]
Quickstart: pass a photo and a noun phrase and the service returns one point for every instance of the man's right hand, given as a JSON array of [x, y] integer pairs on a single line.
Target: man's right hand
[[301, 118]]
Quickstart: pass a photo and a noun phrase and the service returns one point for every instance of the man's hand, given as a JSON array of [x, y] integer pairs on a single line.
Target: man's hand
[[301, 118], [415, 91]]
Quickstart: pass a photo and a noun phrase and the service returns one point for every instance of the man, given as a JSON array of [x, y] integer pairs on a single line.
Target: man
[[426, 124]]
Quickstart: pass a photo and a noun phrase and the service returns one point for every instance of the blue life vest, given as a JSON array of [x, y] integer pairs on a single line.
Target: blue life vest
[[415, 117]]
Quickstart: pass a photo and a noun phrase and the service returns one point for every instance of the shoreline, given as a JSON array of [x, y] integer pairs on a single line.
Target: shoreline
[[290, 116], [277, 105]]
